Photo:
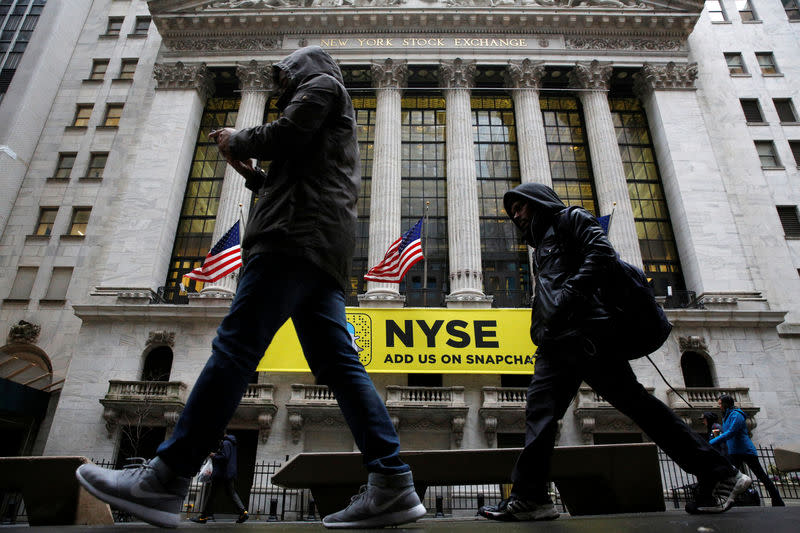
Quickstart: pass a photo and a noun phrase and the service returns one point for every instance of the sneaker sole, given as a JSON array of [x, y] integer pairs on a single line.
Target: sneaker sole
[[522, 517], [390, 519], [742, 484], [148, 514]]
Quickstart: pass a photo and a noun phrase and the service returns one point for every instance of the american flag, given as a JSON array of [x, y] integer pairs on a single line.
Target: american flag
[[224, 258], [404, 253]]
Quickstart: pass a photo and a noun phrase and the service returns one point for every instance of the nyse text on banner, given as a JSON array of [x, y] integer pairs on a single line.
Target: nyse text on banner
[[448, 341]]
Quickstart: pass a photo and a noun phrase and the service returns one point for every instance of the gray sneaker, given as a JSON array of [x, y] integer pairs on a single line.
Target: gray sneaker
[[386, 500], [150, 490]]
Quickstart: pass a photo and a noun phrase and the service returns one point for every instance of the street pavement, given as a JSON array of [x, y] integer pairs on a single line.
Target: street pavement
[[737, 520]]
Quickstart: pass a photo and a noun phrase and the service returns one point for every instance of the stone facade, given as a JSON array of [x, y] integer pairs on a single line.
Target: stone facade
[[722, 204]]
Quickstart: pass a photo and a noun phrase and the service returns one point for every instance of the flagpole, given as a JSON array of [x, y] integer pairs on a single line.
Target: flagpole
[[241, 238], [610, 217], [425, 256]]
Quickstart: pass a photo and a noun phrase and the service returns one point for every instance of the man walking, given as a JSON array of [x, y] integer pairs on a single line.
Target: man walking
[[299, 243], [570, 326], [224, 472]]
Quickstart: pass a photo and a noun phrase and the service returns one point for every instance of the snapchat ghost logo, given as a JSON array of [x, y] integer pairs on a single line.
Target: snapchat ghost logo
[[359, 326]]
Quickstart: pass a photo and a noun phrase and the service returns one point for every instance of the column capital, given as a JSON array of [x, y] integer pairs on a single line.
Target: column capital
[[389, 74], [179, 76], [457, 74], [665, 76], [525, 74], [592, 75], [255, 76]]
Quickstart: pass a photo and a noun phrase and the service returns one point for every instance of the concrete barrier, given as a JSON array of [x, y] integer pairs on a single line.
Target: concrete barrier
[[600, 479], [50, 491], [787, 457]]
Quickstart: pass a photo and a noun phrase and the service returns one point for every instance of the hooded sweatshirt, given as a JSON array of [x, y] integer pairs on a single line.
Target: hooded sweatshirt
[[307, 200], [571, 257]]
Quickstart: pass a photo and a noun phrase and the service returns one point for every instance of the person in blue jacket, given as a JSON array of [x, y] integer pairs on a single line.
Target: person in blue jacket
[[224, 473], [740, 447]]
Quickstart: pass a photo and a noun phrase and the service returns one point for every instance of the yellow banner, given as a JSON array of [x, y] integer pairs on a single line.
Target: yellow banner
[[447, 341]]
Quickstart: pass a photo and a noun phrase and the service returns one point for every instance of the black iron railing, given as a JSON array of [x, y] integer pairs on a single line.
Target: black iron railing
[[682, 300]]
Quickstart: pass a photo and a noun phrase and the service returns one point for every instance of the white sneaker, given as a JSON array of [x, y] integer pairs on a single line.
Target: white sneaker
[[386, 500], [720, 498], [149, 491]]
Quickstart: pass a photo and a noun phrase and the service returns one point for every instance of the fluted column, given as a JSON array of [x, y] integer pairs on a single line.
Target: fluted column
[[389, 77], [525, 78], [609, 175], [255, 80], [463, 228]]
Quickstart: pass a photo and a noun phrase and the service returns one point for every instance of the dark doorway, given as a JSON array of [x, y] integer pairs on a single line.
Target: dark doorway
[[158, 364], [696, 371], [510, 440], [425, 380], [246, 444], [139, 441], [515, 380]]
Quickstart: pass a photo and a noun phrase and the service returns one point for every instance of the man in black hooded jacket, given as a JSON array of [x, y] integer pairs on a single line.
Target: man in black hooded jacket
[[571, 326], [299, 243]]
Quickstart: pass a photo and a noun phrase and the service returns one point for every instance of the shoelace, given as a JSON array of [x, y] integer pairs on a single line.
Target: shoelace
[[361, 492]]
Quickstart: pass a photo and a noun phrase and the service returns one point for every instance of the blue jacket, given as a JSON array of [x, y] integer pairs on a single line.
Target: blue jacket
[[225, 459], [734, 433]]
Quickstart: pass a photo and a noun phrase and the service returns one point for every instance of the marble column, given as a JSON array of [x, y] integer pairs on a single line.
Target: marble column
[[525, 78], [463, 227], [144, 205], [713, 256], [592, 80], [389, 77], [255, 80]]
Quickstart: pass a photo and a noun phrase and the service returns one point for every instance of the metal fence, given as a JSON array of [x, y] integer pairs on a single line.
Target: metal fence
[[272, 503]]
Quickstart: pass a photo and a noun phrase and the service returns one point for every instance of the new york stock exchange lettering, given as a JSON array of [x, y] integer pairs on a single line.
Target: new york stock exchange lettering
[[423, 42]]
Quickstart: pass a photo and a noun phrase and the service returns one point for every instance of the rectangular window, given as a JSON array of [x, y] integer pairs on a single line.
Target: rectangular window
[[735, 63], [127, 69], [113, 114], [767, 154], [715, 11], [59, 283], [767, 63], [789, 220], [142, 24], [47, 216], [752, 111], [23, 283], [785, 109], [82, 114], [65, 164], [99, 67], [746, 11], [80, 219], [792, 8], [97, 165], [795, 146], [114, 25]]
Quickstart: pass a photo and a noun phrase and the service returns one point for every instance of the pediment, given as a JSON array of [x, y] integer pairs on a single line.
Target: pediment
[[167, 7]]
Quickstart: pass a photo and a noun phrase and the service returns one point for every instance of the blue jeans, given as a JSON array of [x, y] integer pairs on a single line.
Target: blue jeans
[[271, 290]]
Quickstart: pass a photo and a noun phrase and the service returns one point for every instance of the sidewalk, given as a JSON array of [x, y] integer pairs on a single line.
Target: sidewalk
[[737, 520]]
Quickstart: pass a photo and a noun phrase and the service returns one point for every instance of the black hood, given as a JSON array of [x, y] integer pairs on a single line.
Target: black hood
[[545, 203], [230, 438], [302, 65]]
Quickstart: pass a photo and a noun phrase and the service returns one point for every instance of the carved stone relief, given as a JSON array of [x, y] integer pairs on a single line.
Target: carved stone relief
[[591, 75], [390, 74], [227, 44], [660, 76], [25, 332], [255, 76], [161, 338], [599, 43], [693, 342], [561, 4], [525, 74], [179, 76], [457, 74]]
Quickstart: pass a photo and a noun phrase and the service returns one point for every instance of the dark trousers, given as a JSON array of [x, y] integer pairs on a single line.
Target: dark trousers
[[271, 290], [558, 373], [738, 459], [216, 486]]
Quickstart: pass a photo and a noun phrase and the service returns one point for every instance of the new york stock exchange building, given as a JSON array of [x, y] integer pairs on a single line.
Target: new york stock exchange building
[[680, 117]]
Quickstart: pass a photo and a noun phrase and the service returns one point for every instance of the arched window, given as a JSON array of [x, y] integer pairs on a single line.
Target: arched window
[[696, 370], [157, 364], [26, 364]]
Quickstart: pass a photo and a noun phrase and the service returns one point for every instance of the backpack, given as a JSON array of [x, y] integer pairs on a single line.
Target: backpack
[[640, 325]]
